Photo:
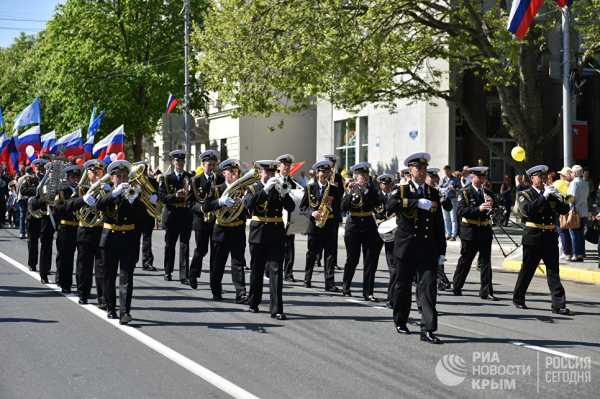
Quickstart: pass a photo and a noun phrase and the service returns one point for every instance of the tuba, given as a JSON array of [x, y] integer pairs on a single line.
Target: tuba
[[139, 178], [236, 191], [53, 182]]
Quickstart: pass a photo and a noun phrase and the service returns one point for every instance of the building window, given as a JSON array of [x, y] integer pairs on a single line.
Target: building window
[[351, 146], [498, 165]]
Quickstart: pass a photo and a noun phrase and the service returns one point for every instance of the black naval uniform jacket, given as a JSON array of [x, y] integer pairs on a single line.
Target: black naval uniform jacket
[[177, 213], [201, 190], [474, 224], [118, 211], [220, 232], [420, 232], [539, 211], [262, 205], [64, 208], [360, 205], [311, 202]]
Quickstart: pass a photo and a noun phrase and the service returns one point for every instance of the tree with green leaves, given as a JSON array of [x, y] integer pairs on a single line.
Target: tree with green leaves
[[351, 52]]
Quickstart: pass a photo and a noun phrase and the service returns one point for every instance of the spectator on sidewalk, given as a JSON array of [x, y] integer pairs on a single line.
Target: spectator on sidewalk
[[508, 196], [11, 204], [450, 183], [562, 185], [579, 192]]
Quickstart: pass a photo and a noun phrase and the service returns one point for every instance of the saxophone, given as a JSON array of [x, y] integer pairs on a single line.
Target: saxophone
[[324, 208]]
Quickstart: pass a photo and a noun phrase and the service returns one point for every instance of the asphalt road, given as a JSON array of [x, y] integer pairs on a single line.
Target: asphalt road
[[182, 344]]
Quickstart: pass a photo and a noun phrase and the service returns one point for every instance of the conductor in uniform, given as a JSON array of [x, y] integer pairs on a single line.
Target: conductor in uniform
[[265, 201], [419, 243], [122, 209], [360, 201], [474, 205], [177, 218], [322, 200], [540, 206], [228, 237], [204, 221], [285, 164]]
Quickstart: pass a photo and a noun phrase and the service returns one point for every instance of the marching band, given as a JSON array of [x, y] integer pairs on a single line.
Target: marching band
[[104, 217]]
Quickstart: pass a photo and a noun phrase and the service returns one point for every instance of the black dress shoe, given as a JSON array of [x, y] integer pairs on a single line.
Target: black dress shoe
[[185, 281], [168, 277], [389, 305], [149, 268], [193, 282], [101, 306], [519, 305], [307, 284], [346, 293], [253, 309], [33, 268], [279, 316], [82, 301], [371, 298], [430, 337], [243, 299], [332, 289], [290, 279], [218, 298], [44, 280], [562, 311], [402, 329], [66, 290], [112, 315], [490, 298], [125, 318], [457, 292]]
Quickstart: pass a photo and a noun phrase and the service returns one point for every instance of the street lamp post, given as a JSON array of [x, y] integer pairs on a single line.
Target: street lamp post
[[186, 68], [566, 90]]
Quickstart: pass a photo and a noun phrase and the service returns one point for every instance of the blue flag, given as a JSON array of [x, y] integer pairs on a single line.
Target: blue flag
[[1, 121], [29, 116], [92, 129]]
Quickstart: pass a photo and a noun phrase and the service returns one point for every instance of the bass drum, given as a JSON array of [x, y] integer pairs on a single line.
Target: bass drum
[[295, 222], [387, 229]]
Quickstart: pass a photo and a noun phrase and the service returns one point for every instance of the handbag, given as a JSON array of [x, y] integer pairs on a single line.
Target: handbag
[[593, 232], [570, 221]]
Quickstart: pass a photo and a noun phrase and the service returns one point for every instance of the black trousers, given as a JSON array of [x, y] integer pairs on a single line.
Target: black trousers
[[468, 250], [2, 209], [45, 239], [172, 234], [367, 242], [119, 258], [147, 255], [390, 261], [532, 254], [203, 237], [324, 241], [234, 245], [89, 259], [66, 243], [288, 256], [269, 256], [424, 266]]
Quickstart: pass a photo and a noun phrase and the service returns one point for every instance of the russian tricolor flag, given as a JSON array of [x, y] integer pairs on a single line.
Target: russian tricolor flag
[[30, 137], [171, 103], [49, 143], [111, 144], [9, 153], [71, 144], [523, 12]]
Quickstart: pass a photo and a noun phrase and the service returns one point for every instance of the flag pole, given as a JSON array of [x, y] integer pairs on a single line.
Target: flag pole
[[566, 90]]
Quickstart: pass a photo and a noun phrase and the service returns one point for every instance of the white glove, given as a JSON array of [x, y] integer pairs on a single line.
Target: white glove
[[270, 184], [441, 260], [120, 189], [153, 198], [106, 187], [424, 203], [226, 201], [89, 199], [549, 190]]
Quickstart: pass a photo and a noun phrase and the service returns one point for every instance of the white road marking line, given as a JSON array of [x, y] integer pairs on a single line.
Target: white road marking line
[[550, 351], [207, 375]]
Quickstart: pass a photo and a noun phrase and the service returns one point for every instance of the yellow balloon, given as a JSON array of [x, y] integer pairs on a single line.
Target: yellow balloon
[[518, 153], [199, 170]]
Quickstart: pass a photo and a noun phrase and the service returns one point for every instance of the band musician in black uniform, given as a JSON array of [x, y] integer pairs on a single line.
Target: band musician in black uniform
[[204, 222], [39, 226], [174, 192], [66, 228], [122, 209], [474, 205], [265, 201], [228, 237], [381, 215], [322, 200], [285, 164], [419, 242], [337, 180], [540, 205], [146, 228], [89, 258], [360, 200]]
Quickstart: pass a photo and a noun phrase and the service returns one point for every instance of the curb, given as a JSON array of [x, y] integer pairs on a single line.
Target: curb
[[566, 272]]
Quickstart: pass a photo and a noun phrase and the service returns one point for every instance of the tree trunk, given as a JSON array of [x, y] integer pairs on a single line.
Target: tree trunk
[[138, 145]]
